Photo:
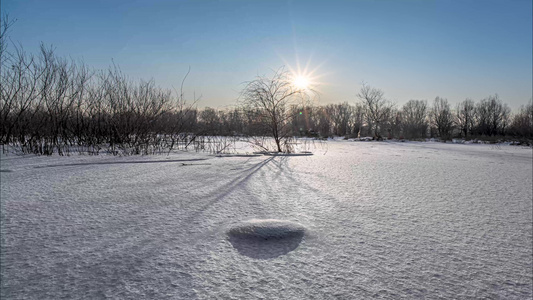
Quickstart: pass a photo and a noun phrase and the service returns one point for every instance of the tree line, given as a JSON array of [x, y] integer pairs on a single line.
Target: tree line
[[372, 115], [50, 104], [488, 118]]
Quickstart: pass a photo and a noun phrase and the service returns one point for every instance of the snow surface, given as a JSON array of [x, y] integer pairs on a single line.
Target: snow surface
[[383, 220]]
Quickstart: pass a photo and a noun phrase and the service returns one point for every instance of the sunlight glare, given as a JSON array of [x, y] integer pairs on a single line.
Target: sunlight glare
[[301, 82], [304, 77]]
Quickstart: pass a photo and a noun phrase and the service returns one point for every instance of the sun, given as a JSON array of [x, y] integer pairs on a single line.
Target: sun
[[301, 82], [303, 78]]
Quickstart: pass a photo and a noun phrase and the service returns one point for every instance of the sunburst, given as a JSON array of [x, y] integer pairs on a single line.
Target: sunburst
[[301, 82], [305, 78]]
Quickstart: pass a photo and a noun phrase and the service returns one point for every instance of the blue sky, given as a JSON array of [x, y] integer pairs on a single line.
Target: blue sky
[[410, 49]]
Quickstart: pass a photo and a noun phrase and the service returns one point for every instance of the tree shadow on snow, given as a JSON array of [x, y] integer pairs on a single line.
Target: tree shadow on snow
[[122, 162], [223, 191]]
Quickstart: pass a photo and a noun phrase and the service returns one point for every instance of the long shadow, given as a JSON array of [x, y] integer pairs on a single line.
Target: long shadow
[[153, 248], [121, 162], [289, 174], [143, 251], [229, 187]]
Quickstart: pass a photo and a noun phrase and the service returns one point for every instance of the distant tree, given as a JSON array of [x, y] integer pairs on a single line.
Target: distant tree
[[464, 116], [340, 116], [395, 122], [305, 120], [522, 122], [323, 122], [210, 122], [377, 107], [236, 121], [442, 117], [273, 97], [358, 118], [414, 114], [492, 116]]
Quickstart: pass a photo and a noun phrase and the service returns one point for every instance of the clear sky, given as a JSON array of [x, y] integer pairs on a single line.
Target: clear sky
[[410, 49]]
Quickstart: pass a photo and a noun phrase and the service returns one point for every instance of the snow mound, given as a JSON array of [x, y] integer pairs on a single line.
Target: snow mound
[[267, 229], [264, 239]]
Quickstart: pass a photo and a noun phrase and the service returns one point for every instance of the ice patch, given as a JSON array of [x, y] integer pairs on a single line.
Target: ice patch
[[264, 239]]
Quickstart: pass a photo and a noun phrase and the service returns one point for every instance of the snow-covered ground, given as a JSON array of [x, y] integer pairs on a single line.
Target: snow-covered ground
[[366, 220]]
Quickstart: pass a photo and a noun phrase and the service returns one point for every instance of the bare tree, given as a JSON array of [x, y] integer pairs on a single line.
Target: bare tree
[[414, 115], [358, 118], [464, 115], [492, 116], [304, 121], [19, 92], [522, 124], [5, 24], [378, 108], [273, 96], [210, 122], [394, 122], [340, 115], [323, 121], [442, 117]]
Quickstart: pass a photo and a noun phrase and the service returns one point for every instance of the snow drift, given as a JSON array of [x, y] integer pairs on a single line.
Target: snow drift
[[257, 229]]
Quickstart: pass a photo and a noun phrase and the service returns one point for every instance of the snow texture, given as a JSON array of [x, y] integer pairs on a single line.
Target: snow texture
[[379, 220]]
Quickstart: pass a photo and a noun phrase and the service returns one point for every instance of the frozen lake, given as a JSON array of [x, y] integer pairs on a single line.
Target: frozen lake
[[358, 220]]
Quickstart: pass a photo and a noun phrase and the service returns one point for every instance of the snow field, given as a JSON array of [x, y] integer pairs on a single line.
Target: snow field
[[382, 220]]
